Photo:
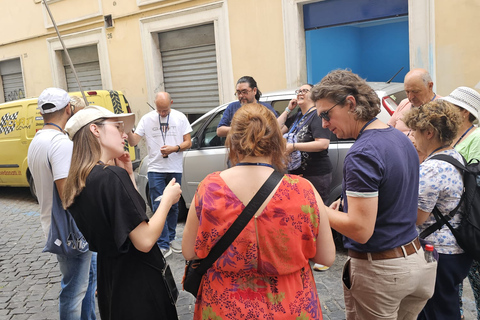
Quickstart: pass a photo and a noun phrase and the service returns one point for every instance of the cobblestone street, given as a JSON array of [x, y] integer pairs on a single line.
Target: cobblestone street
[[30, 280]]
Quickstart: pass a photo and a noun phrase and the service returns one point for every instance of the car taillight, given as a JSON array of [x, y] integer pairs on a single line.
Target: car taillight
[[92, 93], [389, 105]]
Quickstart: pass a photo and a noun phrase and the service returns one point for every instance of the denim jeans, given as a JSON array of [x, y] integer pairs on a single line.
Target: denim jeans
[[88, 304], [75, 282], [157, 182], [444, 305]]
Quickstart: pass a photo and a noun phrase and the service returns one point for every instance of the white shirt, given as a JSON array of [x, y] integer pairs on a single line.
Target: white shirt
[[48, 144], [178, 126]]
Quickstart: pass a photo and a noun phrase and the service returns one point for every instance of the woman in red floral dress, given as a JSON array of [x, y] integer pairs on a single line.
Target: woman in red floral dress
[[265, 273]]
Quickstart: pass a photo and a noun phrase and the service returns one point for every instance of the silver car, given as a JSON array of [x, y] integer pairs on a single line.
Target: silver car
[[208, 152]]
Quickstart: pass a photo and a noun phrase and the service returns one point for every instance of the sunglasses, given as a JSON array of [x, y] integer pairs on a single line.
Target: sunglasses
[[324, 114], [119, 124]]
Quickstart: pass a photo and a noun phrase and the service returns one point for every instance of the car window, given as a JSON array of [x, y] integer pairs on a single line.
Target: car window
[[196, 126], [398, 96], [209, 137], [280, 105]]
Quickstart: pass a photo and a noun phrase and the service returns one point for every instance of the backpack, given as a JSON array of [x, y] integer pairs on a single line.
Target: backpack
[[467, 233]]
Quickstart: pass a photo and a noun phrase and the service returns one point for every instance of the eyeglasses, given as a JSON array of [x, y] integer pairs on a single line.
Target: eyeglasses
[[324, 114], [301, 91], [119, 124], [243, 92]]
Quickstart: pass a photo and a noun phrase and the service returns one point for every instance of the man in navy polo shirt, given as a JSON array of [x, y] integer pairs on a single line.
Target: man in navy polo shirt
[[246, 92]]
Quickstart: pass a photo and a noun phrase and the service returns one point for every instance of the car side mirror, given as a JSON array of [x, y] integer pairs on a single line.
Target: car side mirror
[[195, 144]]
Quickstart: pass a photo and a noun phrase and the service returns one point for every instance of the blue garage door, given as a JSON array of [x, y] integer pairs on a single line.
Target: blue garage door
[[370, 37]]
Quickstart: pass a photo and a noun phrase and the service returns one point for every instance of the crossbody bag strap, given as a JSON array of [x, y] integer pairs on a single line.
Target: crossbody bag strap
[[240, 223], [443, 219]]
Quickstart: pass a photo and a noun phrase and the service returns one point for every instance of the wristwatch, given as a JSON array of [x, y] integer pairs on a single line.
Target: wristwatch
[[178, 148]]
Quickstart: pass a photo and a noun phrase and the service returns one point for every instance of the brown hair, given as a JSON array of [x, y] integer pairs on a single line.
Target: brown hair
[[339, 84], [86, 154], [439, 115], [255, 132]]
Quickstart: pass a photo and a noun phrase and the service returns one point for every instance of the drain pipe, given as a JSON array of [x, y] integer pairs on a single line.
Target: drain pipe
[[66, 53]]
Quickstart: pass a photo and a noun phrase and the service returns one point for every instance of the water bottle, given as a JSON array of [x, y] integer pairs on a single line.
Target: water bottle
[[429, 253]]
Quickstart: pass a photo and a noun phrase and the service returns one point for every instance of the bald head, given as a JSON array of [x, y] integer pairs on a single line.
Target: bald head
[[418, 87], [163, 103]]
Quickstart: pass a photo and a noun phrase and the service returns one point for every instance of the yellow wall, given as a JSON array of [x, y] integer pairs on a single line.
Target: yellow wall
[[20, 19], [256, 35], [457, 26]]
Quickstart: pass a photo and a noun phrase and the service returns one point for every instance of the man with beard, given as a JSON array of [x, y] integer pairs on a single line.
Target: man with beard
[[246, 92]]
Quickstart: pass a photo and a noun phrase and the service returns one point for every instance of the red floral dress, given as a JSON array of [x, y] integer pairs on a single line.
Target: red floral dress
[[265, 273]]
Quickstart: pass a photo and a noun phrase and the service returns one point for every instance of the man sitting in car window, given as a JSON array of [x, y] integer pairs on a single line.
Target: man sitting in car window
[[246, 92]]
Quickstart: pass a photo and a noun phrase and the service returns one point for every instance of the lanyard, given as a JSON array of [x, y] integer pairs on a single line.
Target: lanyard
[[53, 124], [299, 121], [463, 135], [366, 125], [439, 148], [164, 128]]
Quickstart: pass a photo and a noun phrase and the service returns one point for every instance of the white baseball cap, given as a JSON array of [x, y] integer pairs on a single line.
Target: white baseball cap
[[53, 99], [92, 113], [466, 98]]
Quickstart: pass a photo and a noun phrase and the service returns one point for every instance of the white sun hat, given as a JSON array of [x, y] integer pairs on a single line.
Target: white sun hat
[[466, 98], [91, 113]]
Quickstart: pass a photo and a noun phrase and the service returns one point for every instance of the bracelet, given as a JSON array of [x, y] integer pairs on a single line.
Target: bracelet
[[178, 148], [287, 110]]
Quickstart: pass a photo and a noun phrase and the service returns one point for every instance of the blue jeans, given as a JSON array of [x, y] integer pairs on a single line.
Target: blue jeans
[[157, 182], [77, 296], [444, 305]]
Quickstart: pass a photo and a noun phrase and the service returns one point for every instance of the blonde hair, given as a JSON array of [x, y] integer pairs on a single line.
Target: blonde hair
[[255, 132], [442, 117], [86, 154]]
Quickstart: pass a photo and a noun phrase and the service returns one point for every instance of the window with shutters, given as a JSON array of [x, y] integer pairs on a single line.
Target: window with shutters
[[189, 62], [87, 66], [11, 80]]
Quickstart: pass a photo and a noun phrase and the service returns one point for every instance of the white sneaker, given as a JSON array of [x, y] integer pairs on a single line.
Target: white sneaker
[[166, 252], [176, 246], [320, 267]]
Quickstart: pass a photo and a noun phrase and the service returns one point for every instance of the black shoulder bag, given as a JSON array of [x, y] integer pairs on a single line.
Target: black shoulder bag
[[195, 269]]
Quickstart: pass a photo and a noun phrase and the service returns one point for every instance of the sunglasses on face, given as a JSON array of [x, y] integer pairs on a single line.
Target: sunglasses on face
[[119, 124], [324, 114]]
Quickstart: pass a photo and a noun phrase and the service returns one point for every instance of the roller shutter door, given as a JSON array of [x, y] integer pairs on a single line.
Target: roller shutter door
[[12, 80], [189, 63], [85, 60]]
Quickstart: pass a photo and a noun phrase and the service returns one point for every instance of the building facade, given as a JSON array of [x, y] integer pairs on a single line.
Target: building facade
[[197, 49]]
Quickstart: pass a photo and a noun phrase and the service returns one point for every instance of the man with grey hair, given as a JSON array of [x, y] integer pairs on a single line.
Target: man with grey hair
[[419, 89], [418, 86]]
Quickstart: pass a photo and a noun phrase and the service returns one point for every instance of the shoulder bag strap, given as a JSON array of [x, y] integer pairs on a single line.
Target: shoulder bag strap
[[240, 222], [442, 219]]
